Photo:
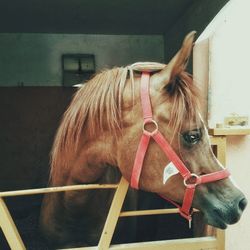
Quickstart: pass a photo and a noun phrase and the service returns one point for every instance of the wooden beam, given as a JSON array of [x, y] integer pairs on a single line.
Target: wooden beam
[[9, 228], [113, 215], [179, 244], [151, 212], [57, 189], [229, 131], [221, 156]]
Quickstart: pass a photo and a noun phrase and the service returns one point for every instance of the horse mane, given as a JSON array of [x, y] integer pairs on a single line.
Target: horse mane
[[97, 106]]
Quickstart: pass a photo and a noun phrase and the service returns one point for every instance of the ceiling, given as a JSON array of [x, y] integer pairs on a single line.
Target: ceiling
[[90, 16]]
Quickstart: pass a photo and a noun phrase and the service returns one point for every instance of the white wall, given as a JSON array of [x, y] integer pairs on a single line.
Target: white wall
[[229, 60], [229, 90], [35, 59]]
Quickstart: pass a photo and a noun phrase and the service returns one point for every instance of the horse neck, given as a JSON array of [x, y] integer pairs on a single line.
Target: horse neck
[[89, 163], [93, 163]]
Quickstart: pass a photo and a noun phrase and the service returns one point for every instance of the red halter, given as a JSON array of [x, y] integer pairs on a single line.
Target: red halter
[[191, 180]]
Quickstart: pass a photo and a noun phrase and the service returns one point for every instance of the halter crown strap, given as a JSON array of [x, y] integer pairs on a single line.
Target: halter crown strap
[[145, 99], [191, 180]]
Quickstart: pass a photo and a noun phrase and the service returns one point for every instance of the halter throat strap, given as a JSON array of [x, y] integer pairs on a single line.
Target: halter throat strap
[[190, 180]]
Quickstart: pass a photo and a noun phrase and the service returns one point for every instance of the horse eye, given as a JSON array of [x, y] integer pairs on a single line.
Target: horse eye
[[192, 137]]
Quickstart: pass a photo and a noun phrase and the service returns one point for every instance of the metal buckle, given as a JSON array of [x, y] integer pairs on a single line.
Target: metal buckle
[[192, 185], [188, 217], [150, 121]]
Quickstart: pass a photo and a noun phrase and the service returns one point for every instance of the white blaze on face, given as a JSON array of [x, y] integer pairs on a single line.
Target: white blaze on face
[[169, 171]]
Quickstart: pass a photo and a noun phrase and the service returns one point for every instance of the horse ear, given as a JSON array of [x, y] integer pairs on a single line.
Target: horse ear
[[178, 63]]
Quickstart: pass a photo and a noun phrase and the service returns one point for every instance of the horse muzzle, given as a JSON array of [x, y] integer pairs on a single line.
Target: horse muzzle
[[222, 212]]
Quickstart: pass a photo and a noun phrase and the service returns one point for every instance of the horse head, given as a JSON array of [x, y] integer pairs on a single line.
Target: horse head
[[175, 113]]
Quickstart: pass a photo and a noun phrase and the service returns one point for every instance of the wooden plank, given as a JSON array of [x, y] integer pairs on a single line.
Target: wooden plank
[[9, 228], [220, 236], [57, 189], [221, 143], [180, 244], [113, 215], [81, 248], [151, 212], [202, 243], [221, 156], [229, 131], [213, 140]]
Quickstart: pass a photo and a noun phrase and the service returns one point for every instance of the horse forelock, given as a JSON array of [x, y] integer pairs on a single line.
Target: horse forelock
[[185, 101], [97, 105]]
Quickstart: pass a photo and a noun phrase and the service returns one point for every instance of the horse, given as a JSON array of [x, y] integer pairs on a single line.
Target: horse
[[97, 142]]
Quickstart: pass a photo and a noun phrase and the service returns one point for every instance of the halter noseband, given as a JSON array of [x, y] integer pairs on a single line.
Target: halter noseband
[[190, 180]]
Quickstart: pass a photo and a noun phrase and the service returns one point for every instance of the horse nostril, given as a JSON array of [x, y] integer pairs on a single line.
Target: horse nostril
[[243, 204]]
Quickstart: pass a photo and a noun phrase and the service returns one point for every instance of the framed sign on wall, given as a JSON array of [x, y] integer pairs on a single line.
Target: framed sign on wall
[[77, 68]]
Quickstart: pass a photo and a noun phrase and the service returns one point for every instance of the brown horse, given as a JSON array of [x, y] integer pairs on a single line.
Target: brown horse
[[101, 131]]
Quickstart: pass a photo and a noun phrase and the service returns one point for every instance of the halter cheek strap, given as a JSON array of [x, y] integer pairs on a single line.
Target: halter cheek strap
[[190, 180]]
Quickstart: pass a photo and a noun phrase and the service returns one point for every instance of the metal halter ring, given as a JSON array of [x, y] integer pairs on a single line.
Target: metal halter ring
[[197, 180], [150, 121]]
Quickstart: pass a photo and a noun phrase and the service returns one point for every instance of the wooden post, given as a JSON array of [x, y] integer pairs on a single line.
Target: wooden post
[[221, 156], [113, 215], [9, 228]]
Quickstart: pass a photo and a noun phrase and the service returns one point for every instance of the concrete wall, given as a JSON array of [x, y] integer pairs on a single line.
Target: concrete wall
[[35, 59]]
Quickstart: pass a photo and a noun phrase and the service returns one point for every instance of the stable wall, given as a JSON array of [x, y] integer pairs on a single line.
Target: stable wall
[[35, 59], [29, 119], [196, 17], [230, 89]]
